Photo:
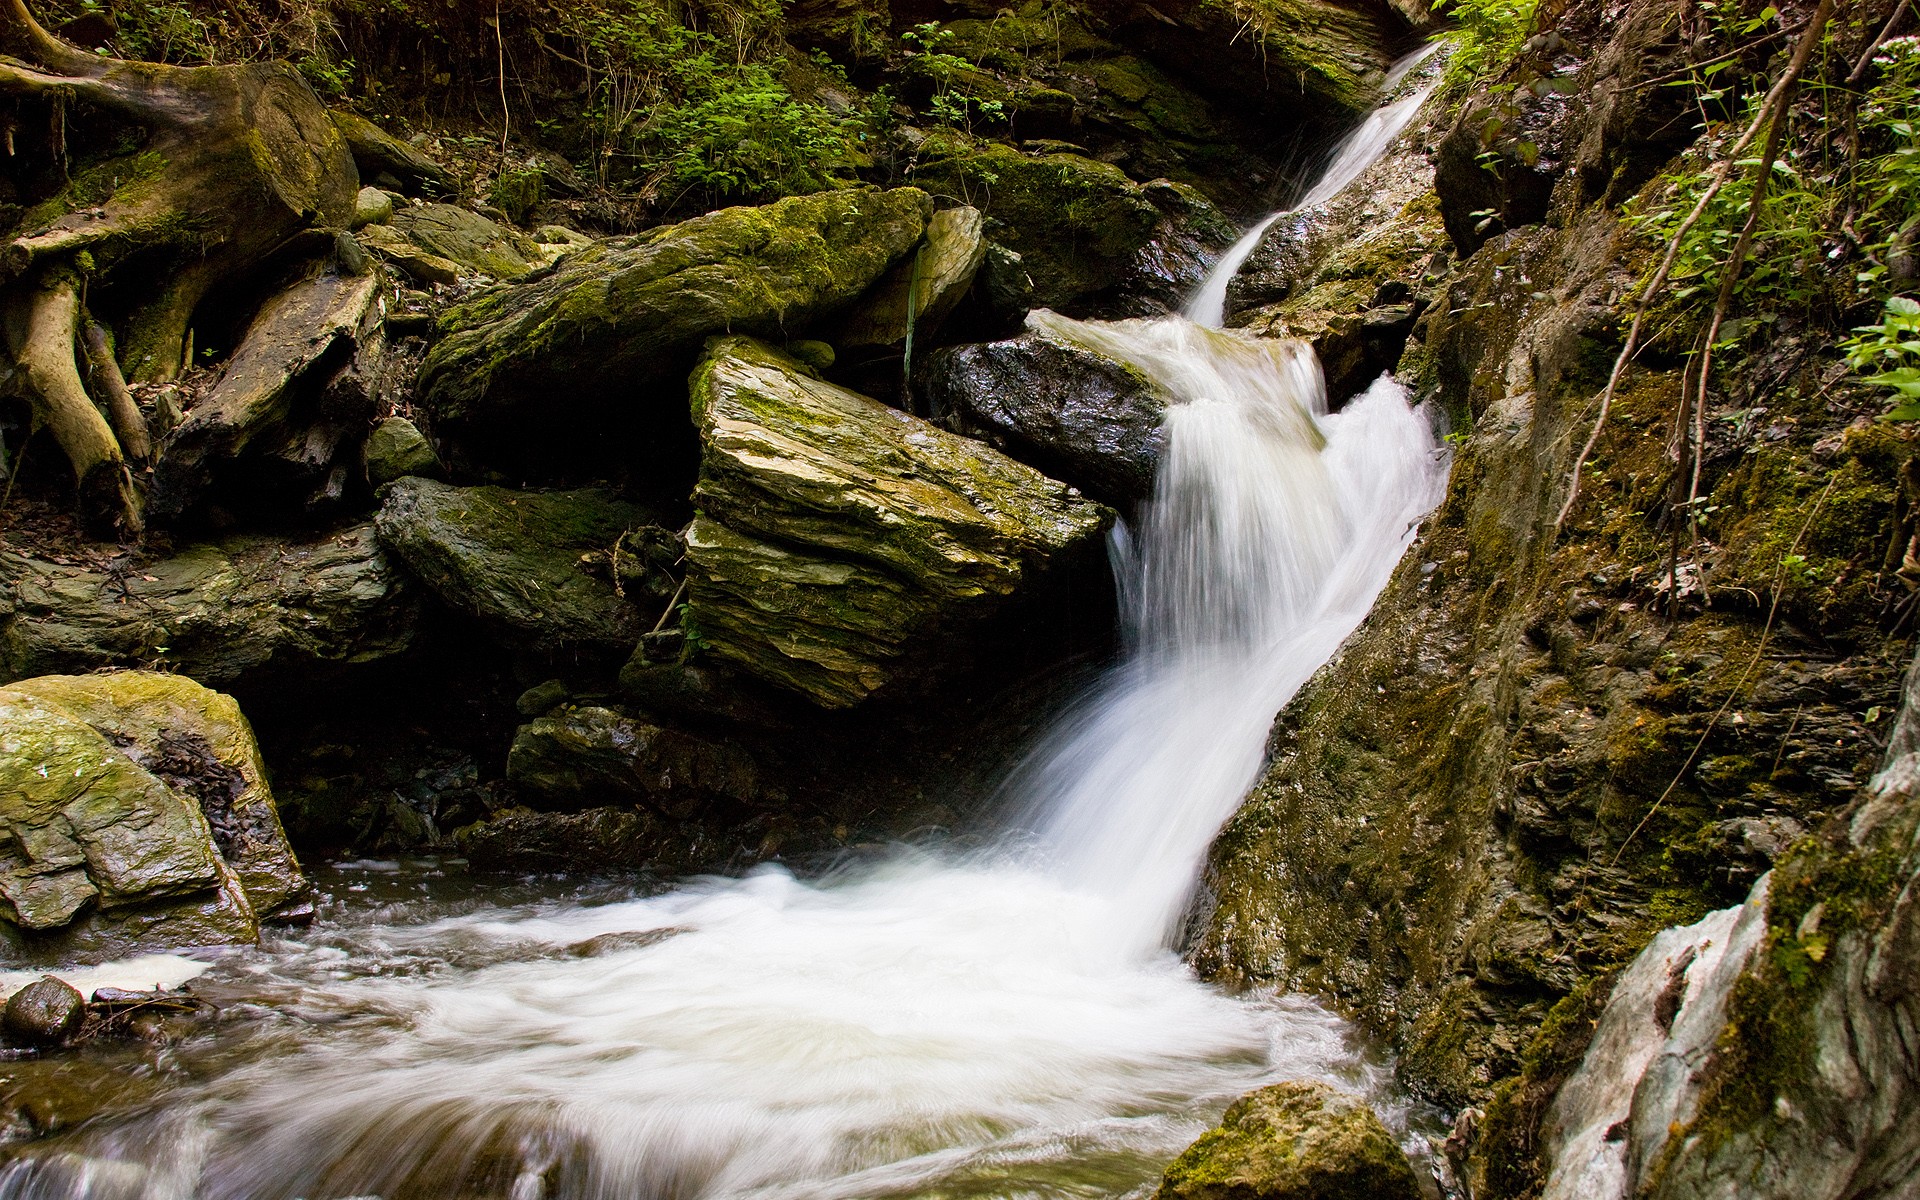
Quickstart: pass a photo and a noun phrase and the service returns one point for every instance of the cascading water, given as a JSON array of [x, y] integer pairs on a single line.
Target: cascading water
[[1006, 1023]]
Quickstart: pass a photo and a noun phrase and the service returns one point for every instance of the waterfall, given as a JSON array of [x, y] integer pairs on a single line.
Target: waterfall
[[1007, 1023], [1406, 91]]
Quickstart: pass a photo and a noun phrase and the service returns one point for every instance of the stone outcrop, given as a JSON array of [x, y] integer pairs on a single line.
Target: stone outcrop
[[840, 544], [1293, 1141], [1547, 744], [936, 276], [1352, 274], [137, 814], [513, 561], [610, 330], [243, 611], [1090, 240], [1065, 408], [589, 755]]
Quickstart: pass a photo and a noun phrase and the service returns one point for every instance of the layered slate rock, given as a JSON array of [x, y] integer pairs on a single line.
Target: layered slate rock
[[135, 813], [550, 357], [512, 560], [590, 755], [935, 277], [1067, 409], [241, 611], [1293, 1141], [839, 541]]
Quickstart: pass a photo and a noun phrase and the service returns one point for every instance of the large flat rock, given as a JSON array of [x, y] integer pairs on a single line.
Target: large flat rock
[[839, 542], [240, 611]]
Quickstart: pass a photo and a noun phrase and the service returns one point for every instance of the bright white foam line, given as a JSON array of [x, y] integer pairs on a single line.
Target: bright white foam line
[[143, 973]]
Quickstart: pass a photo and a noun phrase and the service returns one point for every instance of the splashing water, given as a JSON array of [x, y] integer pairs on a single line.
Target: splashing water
[[1005, 1024]]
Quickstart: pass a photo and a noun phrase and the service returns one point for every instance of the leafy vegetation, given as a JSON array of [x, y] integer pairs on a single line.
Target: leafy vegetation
[[1486, 36]]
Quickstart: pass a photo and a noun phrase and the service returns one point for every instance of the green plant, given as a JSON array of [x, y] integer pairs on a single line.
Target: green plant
[[1891, 350], [1486, 36]]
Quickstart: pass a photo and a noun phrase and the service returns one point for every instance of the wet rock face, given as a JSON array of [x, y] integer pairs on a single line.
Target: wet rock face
[[560, 360], [1768, 1051], [1293, 1141], [513, 560], [44, 1013], [1090, 240], [243, 611], [1513, 775], [588, 755], [1072, 412], [1352, 275], [840, 544], [136, 814]]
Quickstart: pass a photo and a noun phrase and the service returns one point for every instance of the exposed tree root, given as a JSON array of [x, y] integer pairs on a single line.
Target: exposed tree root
[[236, 161]]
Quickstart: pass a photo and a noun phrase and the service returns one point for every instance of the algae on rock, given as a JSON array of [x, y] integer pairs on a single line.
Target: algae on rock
[[513, 560], [1293, 1141], [839, 543], [549, 358], [136, 814]]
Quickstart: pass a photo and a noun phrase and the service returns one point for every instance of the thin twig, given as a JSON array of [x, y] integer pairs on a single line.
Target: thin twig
[[1768, 109], [1886, 31]]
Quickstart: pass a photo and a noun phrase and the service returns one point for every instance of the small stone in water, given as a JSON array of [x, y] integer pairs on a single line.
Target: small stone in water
[[44, 1013]]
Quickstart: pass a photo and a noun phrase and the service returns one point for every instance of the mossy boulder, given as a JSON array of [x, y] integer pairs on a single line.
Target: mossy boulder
[[244, 611], [1092, 240], [198, 742], [602, 339], [513, 560], [1293, 1141], [921, 292], [1065, 408], [397, 448], [136, 815], [838, 543], [385, 160], [589, 755], [478, 244]]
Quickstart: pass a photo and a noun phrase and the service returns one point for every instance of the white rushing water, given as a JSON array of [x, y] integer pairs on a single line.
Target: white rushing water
[[1407, 88], [1009, 1023]]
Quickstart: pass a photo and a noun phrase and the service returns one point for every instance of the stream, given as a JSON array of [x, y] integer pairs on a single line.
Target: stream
[[1008, 1021]]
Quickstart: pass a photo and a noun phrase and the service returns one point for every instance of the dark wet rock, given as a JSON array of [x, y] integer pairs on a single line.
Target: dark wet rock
[[240, 611], [608, 333], [1066, 409], [513, 560], [44, 1013], [542, 698], [840, 543], [396, 448], [585, 755], [1293, 1141], [597, 839], [617, 943], [1090, 240], [136, 855]]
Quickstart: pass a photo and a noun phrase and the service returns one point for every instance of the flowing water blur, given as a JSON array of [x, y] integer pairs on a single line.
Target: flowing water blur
[[1004, 1023]]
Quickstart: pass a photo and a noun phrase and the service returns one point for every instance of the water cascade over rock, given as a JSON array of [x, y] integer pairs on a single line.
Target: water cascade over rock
[[1006, 1021]]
